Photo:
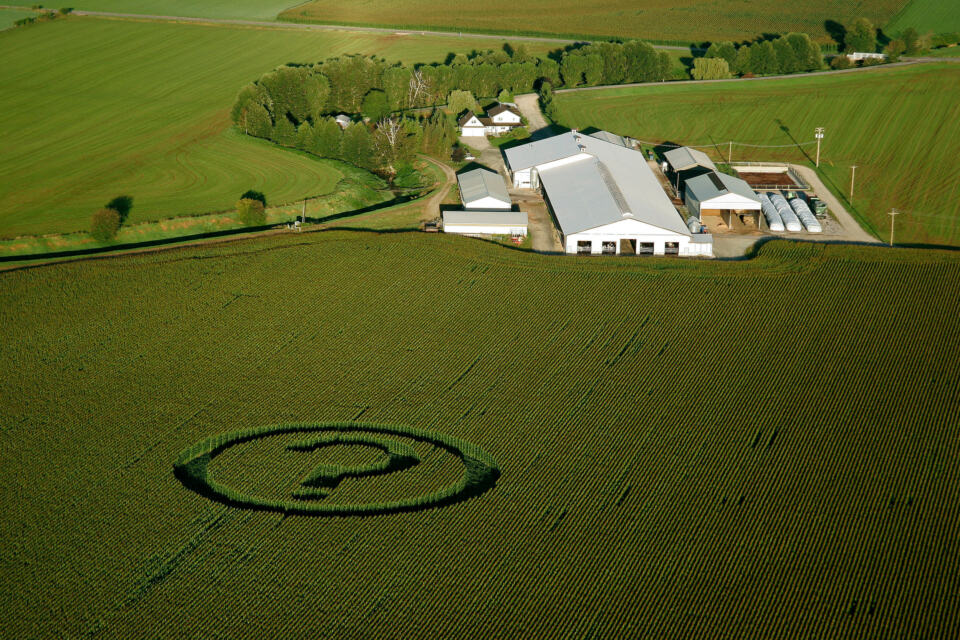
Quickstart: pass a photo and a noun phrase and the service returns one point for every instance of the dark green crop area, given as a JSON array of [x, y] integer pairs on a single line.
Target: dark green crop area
[[687, 449]]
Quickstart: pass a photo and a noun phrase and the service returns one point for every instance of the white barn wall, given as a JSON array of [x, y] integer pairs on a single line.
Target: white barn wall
[[486, 203]]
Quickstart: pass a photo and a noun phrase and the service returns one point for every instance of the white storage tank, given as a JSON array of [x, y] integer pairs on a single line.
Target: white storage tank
[[694, 225]]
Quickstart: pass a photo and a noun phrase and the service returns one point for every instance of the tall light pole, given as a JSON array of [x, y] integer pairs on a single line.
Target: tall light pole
[[819, 133], [853, 173], [893, 216]]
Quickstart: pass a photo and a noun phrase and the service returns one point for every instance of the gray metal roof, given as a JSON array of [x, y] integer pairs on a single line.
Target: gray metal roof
[[714, 184], [482, 183], [542, 151], [505, 218], [606, 183], [683, 158], [610, 137]]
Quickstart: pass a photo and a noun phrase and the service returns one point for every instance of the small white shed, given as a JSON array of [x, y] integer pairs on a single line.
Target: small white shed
[[482, 189], [343, 120]]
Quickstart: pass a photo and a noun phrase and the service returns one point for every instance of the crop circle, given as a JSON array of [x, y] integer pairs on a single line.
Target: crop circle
[[480, 470]]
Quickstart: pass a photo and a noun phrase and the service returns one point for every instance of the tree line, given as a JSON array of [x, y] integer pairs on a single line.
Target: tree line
[[792, 53], [390, 104]]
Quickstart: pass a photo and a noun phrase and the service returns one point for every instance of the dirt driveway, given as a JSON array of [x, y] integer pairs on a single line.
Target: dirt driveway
[[529, 106]]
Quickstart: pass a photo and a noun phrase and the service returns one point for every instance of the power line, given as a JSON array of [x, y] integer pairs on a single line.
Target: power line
[[739, 144]]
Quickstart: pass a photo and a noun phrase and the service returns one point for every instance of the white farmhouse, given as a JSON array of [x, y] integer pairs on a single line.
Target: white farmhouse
[[501, 119], [717, 194], [604, 197], [483, 189]]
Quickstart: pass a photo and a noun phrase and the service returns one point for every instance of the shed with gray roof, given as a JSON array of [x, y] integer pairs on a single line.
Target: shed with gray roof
[[483, 189], [718, 194]]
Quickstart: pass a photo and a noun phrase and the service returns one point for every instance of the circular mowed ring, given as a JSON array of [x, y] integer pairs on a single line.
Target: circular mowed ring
[[480, 469]]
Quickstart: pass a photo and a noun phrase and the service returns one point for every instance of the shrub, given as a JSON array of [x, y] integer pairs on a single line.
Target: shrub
[[459, 101], [459, 154], [105, 224], [251, 212], [710, 69], [840, 62], [66, 11], [250, 194]]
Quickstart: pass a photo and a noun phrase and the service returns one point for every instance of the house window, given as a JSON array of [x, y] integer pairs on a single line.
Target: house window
[[671, 248], [646, 249], [609, 248], [584, 246]]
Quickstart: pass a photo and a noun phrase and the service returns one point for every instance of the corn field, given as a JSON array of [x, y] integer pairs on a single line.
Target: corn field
[[763, 448]]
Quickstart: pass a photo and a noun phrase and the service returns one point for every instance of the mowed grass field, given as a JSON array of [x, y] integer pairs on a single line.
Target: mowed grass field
[[9, 16], [223, 9], [664, 20], [95, 108], [898, 125], [688, 449], [937, 16]]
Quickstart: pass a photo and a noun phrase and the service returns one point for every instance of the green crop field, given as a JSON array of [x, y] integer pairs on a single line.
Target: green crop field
[[664, 20], [228, 9], [937, 16], [899, 125], [555, 447], [95, 108]]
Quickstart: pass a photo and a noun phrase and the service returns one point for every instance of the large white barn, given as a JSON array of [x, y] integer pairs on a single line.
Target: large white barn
[[604, 196]]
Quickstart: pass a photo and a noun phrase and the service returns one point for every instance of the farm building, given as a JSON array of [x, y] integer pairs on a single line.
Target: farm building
[[483, 189], [503, 223], [684, 163], [604, 197], [717, 194], [343, 120], [501, 119]]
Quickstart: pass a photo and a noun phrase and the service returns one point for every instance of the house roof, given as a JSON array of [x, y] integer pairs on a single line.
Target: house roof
[[465, 118], [604, 182], [714, 185], [486, 218], [500, 108], [482, 183], [610, 137], [683, 158]]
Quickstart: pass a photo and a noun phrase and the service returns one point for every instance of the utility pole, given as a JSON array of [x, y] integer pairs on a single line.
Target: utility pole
[[730, 153], [893, 216], [819, 133], [853, 173]]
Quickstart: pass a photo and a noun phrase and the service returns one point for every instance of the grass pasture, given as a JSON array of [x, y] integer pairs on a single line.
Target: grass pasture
[[937, 16], [791, 475], [9, 16], [93, 108], [682, 21], [899, 125]]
